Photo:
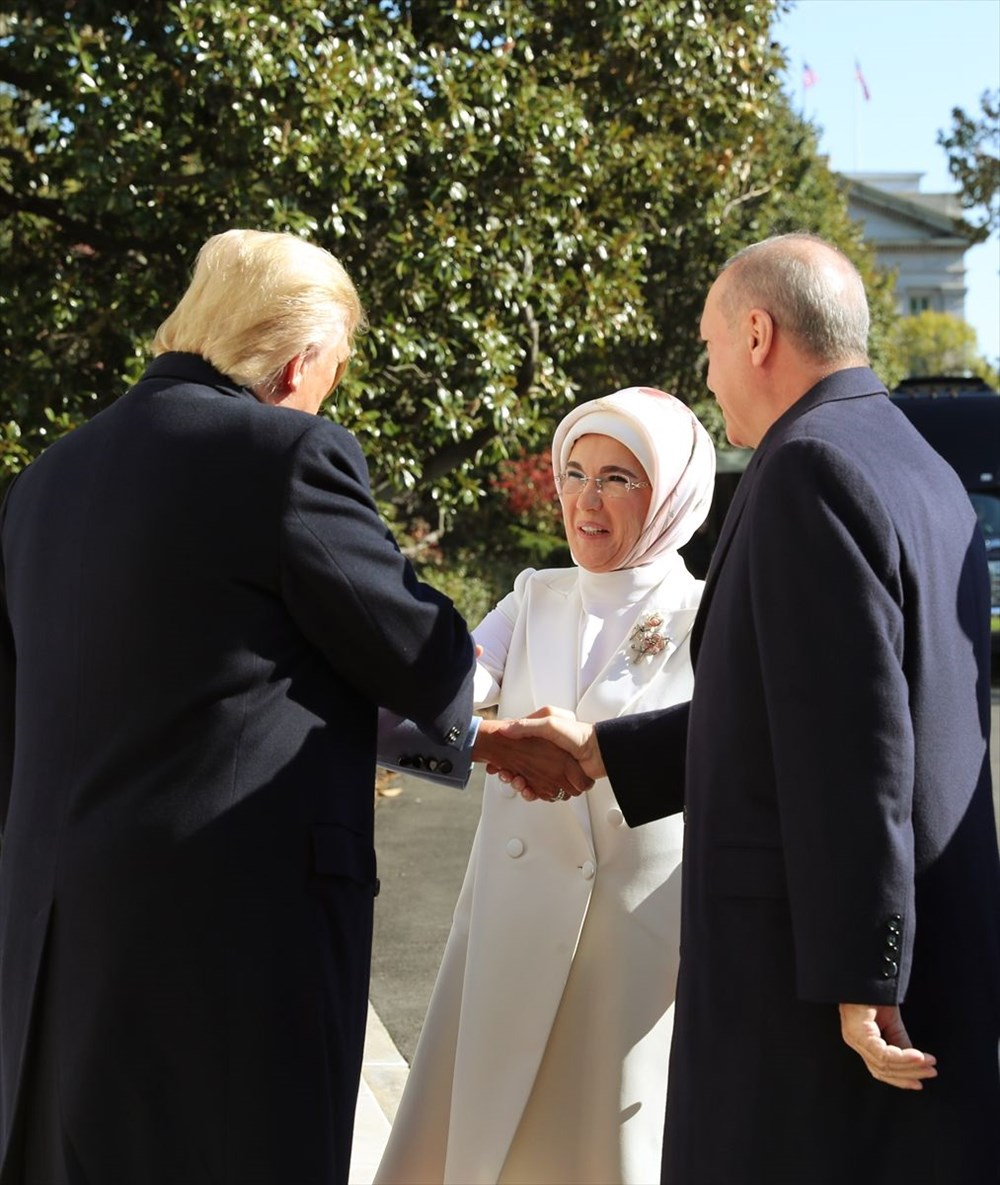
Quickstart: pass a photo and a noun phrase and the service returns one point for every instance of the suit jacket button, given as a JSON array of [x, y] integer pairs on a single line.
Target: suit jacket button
[[587, 870], [378, 887], [890, 968], [452, 735], [445, 766], [515, 847]]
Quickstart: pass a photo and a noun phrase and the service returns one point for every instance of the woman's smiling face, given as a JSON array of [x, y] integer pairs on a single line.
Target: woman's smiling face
[[602, 530]]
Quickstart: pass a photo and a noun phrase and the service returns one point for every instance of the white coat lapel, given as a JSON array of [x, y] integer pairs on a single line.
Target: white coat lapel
[[552, 637], [626, 676]]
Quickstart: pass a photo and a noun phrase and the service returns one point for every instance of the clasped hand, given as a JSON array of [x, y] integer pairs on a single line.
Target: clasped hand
[[548, 755]]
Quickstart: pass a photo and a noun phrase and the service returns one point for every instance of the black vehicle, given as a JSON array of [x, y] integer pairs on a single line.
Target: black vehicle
[[960, 418]]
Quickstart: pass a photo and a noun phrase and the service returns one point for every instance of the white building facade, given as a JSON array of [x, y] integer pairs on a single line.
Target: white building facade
[[919, 236]]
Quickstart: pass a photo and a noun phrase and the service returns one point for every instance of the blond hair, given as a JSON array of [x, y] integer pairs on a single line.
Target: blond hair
[[256, 300]]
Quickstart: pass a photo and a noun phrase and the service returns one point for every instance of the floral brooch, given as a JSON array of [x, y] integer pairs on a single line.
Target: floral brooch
[[647, 637]]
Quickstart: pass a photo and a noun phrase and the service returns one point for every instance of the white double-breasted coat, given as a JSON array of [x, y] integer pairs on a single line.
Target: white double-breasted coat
[[544, 1053]]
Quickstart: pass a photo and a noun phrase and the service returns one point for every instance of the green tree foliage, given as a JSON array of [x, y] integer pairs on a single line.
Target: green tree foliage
[[531, 195], [973, 147], [933, 343]]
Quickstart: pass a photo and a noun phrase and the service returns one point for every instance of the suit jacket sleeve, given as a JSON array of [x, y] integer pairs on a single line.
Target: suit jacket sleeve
[[404, 748], [401, 643], [827, 590], [644, 755]]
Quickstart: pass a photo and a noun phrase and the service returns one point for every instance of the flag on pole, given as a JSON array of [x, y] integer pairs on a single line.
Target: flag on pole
[[808, 76], [861, 79]]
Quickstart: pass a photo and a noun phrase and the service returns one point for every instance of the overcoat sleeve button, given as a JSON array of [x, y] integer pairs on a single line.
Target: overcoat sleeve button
[[515, 847], [890, 968]]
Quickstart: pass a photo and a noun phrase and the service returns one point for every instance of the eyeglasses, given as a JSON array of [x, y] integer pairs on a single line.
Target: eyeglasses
[[612, 485]]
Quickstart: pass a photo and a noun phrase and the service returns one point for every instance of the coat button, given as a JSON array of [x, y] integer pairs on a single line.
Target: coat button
[[890, 968], [507, 790], [588, 869], [615, 816], [452, 735], [515, 847]]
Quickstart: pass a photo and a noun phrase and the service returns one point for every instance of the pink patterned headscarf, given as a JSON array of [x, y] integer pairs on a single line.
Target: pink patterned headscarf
[[671, 445]]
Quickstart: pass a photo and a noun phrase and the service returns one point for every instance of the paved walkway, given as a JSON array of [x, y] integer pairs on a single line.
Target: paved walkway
[[382, 1078]]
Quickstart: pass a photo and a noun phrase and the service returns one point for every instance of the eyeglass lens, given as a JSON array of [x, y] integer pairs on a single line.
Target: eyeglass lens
[[612, 485]]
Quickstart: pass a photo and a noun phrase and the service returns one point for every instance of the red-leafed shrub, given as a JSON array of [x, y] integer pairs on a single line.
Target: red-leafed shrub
[[528, 489]]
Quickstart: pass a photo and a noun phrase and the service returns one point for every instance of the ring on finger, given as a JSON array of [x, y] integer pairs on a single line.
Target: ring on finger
[[560, 795]]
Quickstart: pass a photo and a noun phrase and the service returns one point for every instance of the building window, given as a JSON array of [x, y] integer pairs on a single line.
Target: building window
[[920, 302]]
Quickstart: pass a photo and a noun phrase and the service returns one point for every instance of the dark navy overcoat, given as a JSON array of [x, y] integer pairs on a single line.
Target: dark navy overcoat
[[840, 841], [202, 612]]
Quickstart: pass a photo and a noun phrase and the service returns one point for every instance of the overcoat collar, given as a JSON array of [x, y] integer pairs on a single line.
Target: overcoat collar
[[852, 383], [175, 366]]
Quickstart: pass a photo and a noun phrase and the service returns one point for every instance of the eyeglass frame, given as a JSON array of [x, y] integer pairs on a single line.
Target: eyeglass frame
[[618, 479]]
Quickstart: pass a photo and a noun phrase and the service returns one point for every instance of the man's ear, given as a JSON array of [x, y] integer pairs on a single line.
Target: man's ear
[[760, 336], [341, 371], [291, 376]]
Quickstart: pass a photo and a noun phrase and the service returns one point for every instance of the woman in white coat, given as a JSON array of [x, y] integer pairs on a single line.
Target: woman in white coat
[[543, 1057]]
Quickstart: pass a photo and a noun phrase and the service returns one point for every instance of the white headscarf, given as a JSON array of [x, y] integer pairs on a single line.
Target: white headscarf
[[671, 445]]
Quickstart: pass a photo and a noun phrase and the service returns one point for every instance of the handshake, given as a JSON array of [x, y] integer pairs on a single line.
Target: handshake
[[549, 755]]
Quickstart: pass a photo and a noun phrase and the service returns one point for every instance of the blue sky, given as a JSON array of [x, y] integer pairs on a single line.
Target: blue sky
[[919, 59]]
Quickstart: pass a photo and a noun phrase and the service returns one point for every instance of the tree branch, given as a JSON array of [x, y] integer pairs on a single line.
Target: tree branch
[[22, 80], [72, 229], [445, 460], [749, 196], [526, 371]]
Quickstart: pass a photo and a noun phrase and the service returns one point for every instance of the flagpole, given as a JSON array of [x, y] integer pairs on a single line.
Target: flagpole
[[865, 95]]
